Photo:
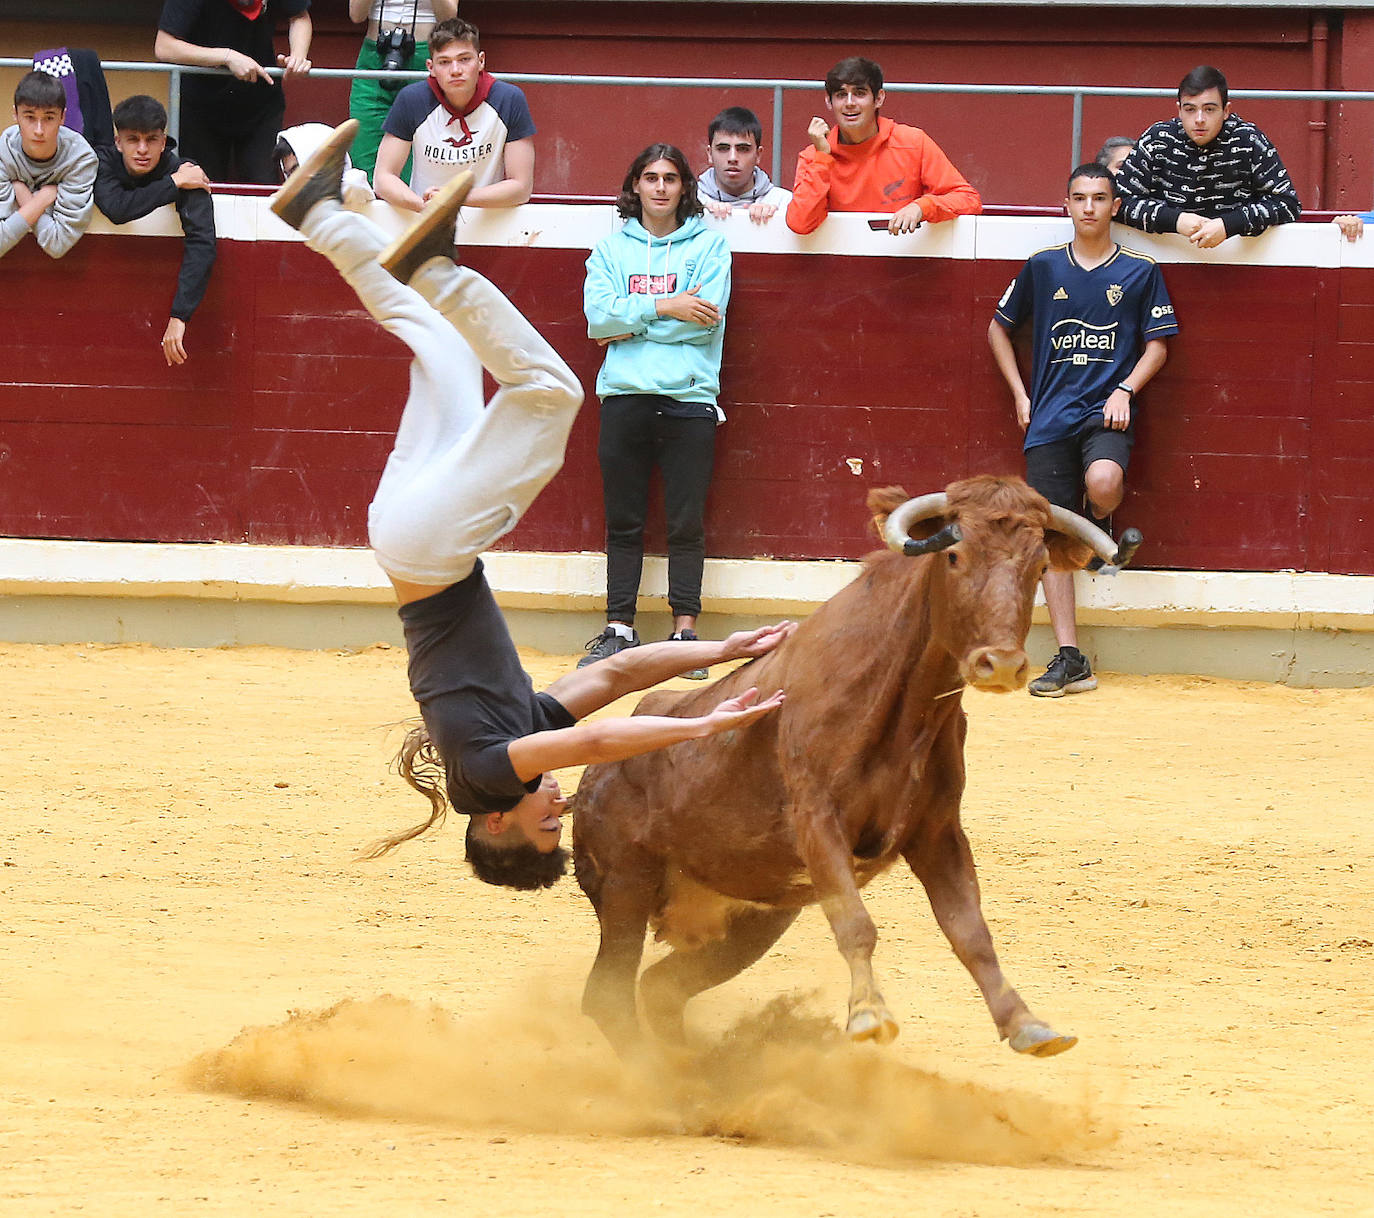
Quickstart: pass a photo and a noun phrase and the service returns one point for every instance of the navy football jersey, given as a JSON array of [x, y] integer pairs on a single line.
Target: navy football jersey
[[1089, 330]]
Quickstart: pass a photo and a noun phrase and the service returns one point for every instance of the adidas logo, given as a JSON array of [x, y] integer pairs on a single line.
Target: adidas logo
[[1061, 295]]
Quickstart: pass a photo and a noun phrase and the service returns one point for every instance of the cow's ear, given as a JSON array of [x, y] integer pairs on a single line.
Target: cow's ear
[[1066, 553], [883, 501]]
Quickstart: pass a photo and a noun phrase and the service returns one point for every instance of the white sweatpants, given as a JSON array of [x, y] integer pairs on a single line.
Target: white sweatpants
[[461, 474]]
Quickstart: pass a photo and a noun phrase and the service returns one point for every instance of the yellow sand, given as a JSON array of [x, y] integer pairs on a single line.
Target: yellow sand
[[208, 1007]]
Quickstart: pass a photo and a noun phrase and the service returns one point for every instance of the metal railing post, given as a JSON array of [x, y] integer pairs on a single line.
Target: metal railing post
[[174, 104], [1077, 154], [777, 135]]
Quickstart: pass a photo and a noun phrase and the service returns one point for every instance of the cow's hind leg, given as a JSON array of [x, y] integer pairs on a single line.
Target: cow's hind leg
[[944, 865], [667, 986]]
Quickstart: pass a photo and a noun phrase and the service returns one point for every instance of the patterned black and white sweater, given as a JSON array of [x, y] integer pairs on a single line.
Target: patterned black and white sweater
[[1237, 177]]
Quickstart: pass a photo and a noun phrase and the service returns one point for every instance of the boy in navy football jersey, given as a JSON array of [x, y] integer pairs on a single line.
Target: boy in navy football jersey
[[460, 118], [1101, 315]]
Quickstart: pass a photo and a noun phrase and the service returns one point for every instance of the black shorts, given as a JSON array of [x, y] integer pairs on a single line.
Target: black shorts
[[1056, 469]]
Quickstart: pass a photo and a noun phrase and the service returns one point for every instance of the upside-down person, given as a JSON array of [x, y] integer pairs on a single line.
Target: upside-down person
[[462, 473]]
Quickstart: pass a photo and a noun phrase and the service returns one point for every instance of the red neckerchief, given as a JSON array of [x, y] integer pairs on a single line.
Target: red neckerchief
[[251, 9], [484, 83]]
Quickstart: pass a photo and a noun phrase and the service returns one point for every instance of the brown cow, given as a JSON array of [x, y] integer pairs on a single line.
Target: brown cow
[[719, 843]]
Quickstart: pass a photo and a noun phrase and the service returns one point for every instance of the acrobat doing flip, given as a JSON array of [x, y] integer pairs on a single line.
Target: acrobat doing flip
[[461, 475]]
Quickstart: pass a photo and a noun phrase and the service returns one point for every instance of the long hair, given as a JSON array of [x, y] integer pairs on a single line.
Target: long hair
[[419, 763], [517, 865], [627, 202]]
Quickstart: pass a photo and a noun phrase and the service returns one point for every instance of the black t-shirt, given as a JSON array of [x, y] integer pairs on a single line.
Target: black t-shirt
[[473, 694], [217, 23]]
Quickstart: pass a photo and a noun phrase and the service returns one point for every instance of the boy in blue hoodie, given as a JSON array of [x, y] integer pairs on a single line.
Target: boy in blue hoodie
[[655, 298]]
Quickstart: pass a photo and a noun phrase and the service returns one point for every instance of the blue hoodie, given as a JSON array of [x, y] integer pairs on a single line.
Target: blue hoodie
[[626, 273]]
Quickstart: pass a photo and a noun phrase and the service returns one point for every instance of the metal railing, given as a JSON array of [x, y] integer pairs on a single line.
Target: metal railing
[[778, 88]]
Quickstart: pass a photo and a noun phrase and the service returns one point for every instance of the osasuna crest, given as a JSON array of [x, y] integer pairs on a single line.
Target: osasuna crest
[[1115, 295]]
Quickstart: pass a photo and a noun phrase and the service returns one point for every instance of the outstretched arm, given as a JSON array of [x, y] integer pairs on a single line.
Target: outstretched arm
[[616, 739], [589, 689]]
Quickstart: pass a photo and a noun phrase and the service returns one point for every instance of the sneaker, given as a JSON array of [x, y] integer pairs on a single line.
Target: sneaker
[[318, 177], [605, 645], [689, 636], [432, 235], [1069, 673]]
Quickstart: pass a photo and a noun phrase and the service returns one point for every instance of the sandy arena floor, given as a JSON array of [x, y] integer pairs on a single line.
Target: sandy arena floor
[[1178, 870]]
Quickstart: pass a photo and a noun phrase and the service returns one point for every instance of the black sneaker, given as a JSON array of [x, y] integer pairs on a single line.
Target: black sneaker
[[689, 636], [318, 177], [605, 645], [1069, 673]]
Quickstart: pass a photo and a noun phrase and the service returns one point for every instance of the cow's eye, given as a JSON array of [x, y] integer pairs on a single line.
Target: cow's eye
[[952, 558]]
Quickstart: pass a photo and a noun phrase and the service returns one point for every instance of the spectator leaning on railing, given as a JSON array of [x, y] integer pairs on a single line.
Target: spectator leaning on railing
[[869, 163], [1207, 174], [462, 117], [47, 171], [143, 172], [229, 126], [735, 182]]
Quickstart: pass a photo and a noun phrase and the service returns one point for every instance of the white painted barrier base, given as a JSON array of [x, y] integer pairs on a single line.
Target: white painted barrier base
[[1298, 628]]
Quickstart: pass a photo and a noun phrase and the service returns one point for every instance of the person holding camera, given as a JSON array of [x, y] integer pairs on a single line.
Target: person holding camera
[[397, 41], [461, 118]]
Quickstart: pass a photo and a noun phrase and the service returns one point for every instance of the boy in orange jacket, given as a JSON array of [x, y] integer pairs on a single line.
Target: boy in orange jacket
[[869, 163]]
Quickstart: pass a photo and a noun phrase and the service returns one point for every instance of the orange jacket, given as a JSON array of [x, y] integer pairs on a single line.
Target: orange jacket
[[899, 165]]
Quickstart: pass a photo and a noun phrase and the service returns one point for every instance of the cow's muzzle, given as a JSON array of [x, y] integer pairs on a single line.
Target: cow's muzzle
[[997, 669]]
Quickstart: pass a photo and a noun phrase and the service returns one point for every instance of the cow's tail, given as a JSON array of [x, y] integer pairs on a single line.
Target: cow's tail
[[418, 762]]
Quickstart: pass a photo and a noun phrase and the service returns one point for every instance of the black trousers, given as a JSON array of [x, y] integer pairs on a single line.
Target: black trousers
[[635, 436], [231, 147]]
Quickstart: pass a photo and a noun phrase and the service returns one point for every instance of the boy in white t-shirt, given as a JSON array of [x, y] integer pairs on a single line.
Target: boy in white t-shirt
[[461, 118]]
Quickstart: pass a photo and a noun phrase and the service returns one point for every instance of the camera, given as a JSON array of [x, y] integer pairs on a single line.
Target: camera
[[395, 47]]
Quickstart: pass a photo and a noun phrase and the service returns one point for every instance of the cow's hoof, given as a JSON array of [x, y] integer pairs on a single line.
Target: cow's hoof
[[872, 1023], [1040, 1040]]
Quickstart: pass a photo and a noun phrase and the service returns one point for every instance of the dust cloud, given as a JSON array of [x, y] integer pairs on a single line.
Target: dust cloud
[[780, 1076]]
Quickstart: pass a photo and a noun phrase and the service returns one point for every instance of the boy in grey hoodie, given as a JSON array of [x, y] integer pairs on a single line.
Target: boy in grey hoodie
[[47, 172]]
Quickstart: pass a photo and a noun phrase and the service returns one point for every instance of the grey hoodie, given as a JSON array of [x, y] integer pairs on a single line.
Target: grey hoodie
[[71, 168]]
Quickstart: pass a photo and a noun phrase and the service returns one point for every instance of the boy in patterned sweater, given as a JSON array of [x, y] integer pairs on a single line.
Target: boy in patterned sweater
[[1206, 175]]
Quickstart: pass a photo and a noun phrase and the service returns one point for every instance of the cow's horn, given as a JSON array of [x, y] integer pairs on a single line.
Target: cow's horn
[[897, 530], [1113, 556]]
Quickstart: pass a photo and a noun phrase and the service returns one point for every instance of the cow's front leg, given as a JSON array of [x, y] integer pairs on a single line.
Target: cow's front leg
[[831, 865], [943, 863]]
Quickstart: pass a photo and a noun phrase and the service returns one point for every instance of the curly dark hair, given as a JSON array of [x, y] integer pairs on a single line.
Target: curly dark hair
[[518, 865], [627, 202]]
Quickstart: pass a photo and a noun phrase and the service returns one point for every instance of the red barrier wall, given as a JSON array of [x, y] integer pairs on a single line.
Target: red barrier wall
[[1256, 441]]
